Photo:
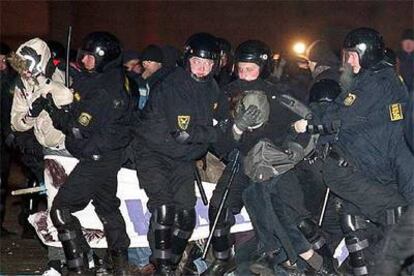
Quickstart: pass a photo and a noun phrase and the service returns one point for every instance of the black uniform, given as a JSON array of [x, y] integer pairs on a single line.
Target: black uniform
[[377, 180], [179, 104], [97, 131]]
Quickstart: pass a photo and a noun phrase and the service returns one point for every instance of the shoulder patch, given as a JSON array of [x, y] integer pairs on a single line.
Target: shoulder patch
[[350, 99], [84, 119], [396, 112], [76, 96], [127, 85]]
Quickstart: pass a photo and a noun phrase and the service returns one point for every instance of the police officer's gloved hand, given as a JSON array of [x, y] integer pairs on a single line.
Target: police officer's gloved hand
[[180, 136], [295, 151], [247, 118], [300, 126], [37, 106]]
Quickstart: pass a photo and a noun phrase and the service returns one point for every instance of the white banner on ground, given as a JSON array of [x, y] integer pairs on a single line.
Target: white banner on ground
[[133, 208]]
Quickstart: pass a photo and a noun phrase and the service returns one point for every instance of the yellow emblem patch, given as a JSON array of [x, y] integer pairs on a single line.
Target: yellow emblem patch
[[396, 113], [84, 119], [350, 99], [76, 96], [183, 121], [127, 85]]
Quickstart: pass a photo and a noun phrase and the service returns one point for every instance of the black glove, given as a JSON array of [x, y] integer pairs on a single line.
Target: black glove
[[180, 136], [247, 118], [295, 151], [37, 106]]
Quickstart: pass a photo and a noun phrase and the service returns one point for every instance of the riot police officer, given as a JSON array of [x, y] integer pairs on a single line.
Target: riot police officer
[[176, 129], [97, 131], [369, 166], [265, 117]]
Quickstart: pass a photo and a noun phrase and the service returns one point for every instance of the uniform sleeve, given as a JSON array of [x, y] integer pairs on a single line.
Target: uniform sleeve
[[404, 166], [19, 119]]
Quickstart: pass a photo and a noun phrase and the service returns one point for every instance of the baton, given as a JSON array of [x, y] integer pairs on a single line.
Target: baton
[[28, 191], [200, 185], [69, 37], [234, 170], [325, 202]]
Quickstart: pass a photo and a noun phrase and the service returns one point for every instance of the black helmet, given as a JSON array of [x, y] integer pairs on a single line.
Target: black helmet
[[201, 45], [369, 45], [56, 49], [324, 91], [390, 57], [104, 46], [255, 51], [224, 46]]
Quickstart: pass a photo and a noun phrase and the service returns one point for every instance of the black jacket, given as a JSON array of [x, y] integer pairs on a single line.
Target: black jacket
[[98, 121], [180, 103], [371, 132]]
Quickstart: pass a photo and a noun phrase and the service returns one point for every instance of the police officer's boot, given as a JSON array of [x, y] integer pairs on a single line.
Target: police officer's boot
[[119, 262], [184, 223], [264, 263], [311, 232], [224, 260], [161, 223]]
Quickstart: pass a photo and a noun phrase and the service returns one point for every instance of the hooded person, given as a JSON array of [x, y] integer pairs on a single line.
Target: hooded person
[[38, 77]]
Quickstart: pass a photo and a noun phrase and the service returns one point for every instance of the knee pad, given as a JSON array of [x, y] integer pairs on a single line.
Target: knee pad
[[163, 216], [162, 220], [61, 217], [311, 232], [185, 219], [353, 223]]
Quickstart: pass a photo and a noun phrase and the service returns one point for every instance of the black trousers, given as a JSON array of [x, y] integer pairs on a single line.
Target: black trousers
[[362, 195], [166, 181], [96, 181]]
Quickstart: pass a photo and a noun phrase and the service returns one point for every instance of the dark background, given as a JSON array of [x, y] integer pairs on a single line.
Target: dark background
[[138, 23]]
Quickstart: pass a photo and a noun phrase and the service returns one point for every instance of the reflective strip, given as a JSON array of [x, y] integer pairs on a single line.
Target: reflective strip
[[357, 246], [185, 235], [222, 255], [360, 270], [163, 254], [319, 243]]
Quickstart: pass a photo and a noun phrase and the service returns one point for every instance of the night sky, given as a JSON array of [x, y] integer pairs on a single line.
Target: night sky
[[139, 23]]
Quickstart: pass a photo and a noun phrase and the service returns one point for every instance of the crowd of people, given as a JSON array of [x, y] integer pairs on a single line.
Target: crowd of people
[[318, 148]]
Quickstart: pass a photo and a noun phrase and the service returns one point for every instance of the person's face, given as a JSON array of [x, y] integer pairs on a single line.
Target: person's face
[[201, 67], [353, 59], [133, 65], [248, 71], [3, 63], [88, 62], [223, 60], [407, 45], [150, 67]]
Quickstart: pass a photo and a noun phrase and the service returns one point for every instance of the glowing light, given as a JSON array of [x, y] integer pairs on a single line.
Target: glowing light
[[299, 48]]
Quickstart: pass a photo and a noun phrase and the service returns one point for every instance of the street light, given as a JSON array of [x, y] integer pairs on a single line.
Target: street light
[[299, 48]]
